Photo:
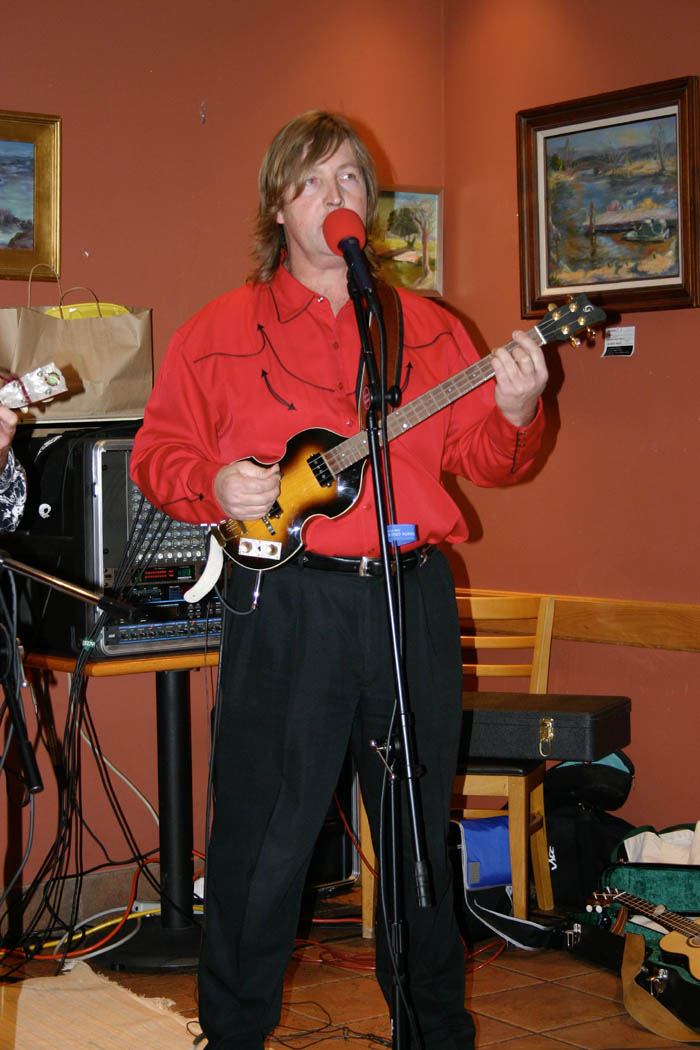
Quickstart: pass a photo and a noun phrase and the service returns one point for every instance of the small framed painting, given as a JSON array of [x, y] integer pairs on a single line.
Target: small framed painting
[[407, 238], [30, 186]]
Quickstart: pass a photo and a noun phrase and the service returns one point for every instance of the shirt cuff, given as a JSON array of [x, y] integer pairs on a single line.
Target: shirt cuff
[[519, 443]]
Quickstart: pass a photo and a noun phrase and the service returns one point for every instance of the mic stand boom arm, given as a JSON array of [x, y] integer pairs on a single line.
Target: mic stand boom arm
[[400, 751], [108, 604]]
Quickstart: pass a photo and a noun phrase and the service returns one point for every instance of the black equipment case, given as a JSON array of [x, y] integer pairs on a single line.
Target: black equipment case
[[543, 725]]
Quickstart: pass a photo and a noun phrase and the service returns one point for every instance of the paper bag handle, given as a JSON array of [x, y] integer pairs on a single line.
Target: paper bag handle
[[39, 266], [76, 288]]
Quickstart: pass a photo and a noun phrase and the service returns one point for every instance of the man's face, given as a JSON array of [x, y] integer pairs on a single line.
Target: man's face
[[336, 182]]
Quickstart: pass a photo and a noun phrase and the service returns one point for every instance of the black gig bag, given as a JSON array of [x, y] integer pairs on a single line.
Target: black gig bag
[[582, 835]]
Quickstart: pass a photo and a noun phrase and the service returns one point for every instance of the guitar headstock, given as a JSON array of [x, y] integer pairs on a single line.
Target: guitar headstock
[[602, 899], [41, 384], [568, 319]]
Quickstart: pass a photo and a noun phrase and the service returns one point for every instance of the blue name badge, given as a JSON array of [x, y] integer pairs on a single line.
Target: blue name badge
[[399, 534]]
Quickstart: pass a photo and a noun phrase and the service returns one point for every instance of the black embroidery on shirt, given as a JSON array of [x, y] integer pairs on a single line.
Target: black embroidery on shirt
[[278, 359], [422, 346], [226, 353], [514, 464], [182, 499], [292, 317], [287, 404]]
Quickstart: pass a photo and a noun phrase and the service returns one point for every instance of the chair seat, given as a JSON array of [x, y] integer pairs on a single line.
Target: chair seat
[[498, 767]]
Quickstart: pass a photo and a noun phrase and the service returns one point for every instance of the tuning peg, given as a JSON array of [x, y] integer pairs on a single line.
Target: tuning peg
[[551, 307], [590, 333], [572, 306], [565, 330], [574, 341]]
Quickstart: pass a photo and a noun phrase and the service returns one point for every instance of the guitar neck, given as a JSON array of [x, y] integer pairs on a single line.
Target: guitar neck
[[668, 919], [428, 404]]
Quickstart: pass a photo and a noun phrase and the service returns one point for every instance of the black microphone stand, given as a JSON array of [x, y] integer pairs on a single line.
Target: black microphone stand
[[30, 769], [397, 752]]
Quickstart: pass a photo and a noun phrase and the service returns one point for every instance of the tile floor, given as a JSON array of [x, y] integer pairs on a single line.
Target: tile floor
[[547, 1000]]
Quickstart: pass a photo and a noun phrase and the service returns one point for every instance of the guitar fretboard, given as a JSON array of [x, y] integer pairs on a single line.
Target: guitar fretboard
[[668, 919], [428, 404]]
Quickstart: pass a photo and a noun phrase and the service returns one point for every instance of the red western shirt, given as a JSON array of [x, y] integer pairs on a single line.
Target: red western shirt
[[266, 361]]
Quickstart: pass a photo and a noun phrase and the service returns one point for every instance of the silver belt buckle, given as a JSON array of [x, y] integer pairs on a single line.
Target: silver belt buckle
[[362, 570]]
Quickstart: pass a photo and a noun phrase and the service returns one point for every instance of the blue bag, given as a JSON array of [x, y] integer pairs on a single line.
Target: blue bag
[[485, 851]]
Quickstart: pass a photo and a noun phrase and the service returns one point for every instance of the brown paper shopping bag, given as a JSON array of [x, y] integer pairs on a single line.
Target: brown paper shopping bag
[[103, 350]]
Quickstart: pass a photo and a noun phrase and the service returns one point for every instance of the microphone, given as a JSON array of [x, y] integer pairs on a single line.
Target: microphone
[[345, 235]]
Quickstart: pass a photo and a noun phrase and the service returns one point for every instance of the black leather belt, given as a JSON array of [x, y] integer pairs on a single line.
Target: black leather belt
[[363, 566]]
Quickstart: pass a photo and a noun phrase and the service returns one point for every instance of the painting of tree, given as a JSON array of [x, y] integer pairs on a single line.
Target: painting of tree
[[407, 238]]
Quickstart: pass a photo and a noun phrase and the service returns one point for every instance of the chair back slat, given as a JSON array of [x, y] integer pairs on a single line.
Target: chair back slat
[[497, 670], [512, 618]]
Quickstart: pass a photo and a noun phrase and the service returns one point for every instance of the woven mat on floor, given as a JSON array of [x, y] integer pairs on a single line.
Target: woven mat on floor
[[82, 1010]]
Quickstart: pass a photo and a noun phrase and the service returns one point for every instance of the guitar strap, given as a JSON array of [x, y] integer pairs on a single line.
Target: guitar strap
[[393, 326]]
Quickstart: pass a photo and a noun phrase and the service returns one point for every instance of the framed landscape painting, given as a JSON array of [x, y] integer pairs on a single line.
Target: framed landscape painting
[[30, 182], [407, 238], [608, 190]]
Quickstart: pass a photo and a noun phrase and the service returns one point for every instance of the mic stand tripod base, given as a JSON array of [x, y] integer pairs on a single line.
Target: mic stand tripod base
[[156, 947]]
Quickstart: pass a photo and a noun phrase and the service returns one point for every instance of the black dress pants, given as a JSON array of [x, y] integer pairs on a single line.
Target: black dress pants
[[304, 676]]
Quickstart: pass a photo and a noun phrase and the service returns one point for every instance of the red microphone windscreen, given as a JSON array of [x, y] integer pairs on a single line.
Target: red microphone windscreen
[[342, 223]]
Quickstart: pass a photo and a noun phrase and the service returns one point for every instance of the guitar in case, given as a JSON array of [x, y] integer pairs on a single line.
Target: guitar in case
[[659, 971]]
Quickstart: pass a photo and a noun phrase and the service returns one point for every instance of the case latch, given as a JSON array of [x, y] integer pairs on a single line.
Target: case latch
[[546, 736]]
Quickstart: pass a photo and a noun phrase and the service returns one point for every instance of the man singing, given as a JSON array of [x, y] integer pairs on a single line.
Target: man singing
[[308, 673]]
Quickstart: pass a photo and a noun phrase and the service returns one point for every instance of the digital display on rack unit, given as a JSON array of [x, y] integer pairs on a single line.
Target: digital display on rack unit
[[165, 573]]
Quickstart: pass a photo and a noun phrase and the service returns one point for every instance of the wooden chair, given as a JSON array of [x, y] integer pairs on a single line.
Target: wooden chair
[[520, 783], [501, 626]]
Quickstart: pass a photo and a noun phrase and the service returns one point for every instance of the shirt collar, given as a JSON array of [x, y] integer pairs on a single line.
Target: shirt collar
[[290, 296]]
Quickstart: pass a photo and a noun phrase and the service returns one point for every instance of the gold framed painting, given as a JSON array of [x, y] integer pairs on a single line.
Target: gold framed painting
[[608, 199], [407, 238], [30, 188]]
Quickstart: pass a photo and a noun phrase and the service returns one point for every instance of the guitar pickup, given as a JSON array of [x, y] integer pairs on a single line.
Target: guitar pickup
[[267, 550], [320, 469]]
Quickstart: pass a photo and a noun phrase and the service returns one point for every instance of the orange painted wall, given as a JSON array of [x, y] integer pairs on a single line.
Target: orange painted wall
[[156, 205], [613, 511]]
